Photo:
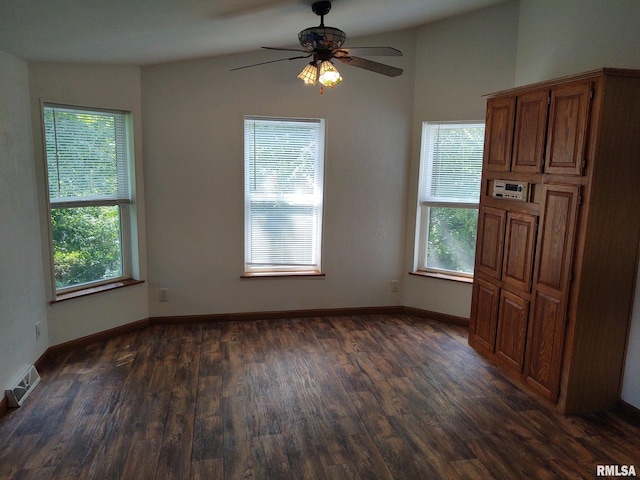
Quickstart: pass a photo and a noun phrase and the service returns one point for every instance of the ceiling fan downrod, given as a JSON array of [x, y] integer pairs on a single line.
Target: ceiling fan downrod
[[321, 9]]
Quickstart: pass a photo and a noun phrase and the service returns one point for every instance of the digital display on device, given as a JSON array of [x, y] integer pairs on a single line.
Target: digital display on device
[[510, 190]]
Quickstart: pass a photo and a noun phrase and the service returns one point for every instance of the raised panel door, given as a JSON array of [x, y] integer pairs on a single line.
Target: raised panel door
[[512, 331], [519, 247], [545, 344], [551, 281], [498, 142], [567, 131], [555, 241], [484, 316], [490, 243], [530, 132]]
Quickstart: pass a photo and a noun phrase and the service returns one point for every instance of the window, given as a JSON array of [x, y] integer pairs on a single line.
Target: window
[[449, 192], [283, 189], [88, 164]]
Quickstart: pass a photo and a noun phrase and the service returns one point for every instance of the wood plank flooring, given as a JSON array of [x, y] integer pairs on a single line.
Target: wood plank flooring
[[354, 397]]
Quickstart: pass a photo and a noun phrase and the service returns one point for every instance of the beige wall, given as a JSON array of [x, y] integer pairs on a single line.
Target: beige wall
[[22, 299], [457, 61], [92, 86], [557, 38], [193, 114]]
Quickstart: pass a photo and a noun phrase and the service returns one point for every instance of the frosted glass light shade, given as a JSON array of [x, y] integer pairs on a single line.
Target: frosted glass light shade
[[329, 76]]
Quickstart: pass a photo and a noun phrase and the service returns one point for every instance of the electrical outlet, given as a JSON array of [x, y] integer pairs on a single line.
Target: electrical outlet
[[394, 286], [37, 330], [163, 294]]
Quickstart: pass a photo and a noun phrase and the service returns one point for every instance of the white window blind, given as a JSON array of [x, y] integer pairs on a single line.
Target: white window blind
[[86, 156], [453, 154], [283, 193], [449, 192]]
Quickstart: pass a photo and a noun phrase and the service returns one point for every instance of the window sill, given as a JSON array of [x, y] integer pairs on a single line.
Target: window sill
[[92, 290], [443, 276], [309, 273]]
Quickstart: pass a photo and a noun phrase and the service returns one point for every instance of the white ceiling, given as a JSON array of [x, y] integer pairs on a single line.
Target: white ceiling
[[143, 32]]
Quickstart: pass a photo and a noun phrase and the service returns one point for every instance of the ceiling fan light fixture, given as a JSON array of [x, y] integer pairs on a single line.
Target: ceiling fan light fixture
[[325, 43], [309, 75], [329, 75]]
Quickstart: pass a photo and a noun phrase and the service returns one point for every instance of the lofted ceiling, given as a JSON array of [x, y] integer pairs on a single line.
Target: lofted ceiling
[[143, 32]]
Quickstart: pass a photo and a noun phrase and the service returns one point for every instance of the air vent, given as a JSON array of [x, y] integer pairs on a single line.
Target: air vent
[[18, 394]]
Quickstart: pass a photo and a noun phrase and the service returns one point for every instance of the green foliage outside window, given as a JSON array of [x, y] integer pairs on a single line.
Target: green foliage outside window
[[452, 238], [86, 243]]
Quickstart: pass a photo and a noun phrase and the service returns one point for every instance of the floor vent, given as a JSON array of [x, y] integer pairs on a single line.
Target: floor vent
[[18, 394]]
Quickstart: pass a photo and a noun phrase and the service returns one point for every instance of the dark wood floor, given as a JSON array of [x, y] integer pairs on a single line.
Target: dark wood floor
[[367, 397]]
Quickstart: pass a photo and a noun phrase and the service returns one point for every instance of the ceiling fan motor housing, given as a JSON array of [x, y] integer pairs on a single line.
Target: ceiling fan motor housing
[[321, 38]]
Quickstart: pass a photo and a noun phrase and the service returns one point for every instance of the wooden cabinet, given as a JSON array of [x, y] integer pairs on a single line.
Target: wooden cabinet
[[530, 131], [512, 331], [518, 256], [505, 246], [568, 122], [490, 241], [559, 212], [498, 139], [544, 345], [554, 275], [539, 130], [504, 265], [551, 280], [485, 300]]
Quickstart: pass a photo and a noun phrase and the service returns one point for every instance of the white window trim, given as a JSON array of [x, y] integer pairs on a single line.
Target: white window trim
[[124, 205], [251, 269], [423, 206]]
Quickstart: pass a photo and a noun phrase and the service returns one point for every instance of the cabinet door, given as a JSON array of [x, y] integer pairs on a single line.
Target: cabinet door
[[519, 246], [555, 241], [530, 131], [512, 330], [484, 316], [498, 140], [567, 132], [490, 241], [545, 336]]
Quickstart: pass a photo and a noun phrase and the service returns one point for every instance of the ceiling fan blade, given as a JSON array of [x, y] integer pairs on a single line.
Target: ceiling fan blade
[[387, 70], [286, 49], [368, 51], [271, 61]]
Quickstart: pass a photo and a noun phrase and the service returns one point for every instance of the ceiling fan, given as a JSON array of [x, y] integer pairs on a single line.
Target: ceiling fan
[[324, 44]]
